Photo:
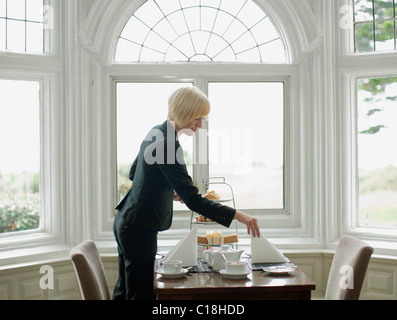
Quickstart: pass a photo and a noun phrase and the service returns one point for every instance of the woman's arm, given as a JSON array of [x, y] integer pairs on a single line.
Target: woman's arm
[[250, 222]]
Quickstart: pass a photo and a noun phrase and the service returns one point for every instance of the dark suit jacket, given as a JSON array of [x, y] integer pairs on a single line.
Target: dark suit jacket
[[158, 172]]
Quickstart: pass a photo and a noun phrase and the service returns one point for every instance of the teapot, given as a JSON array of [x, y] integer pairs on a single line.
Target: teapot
[[218, 258]]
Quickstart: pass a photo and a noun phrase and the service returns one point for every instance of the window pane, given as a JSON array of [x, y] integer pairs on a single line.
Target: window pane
[[173, 54], [200, 40], [249, 55], [149, 55], [181, 23], [384, 35], [234, 31], [16, 9], [378, 32], [245, 42], [16, 35], [377, 156], [127, 50], [20, 159], [168, 6], [273, 51], [246, 141], [223, 21], [165, 30], [192, 16], [2, 34], [34, 10], [363, 10], [34, 37], [263, 32], [208, 16], [216, 45], [364, 34], [149, 13], [184, 44], [136, 30], [233, 7], [383, 9], [156, 42], [22, 27], [140, 107], [3, 8], [178, 22], [250, 14]]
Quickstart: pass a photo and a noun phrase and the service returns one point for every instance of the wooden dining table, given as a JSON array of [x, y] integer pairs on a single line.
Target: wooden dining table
[[257, 285]]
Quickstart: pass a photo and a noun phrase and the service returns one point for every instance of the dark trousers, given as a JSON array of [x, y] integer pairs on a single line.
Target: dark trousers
[[137, 250]]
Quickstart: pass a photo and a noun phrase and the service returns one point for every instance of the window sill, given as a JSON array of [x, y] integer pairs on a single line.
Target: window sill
[[16, 258], [49, 249]]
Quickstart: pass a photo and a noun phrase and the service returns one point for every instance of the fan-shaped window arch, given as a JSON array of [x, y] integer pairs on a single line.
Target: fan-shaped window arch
[[200, 30]]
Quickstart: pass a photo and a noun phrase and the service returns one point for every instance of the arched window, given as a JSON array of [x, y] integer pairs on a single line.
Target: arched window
[[200, 30], [222, 34]]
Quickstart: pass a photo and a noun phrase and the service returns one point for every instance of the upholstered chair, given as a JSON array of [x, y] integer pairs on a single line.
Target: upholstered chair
[[348, 269], [90, 271]]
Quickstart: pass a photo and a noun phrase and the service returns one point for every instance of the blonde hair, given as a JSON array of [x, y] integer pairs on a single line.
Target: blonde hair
[[186, 105]]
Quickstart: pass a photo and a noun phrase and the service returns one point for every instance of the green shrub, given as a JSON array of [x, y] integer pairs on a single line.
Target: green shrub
[[19, 212]]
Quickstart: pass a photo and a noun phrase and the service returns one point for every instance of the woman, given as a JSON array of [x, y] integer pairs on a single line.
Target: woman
[[159, 176]]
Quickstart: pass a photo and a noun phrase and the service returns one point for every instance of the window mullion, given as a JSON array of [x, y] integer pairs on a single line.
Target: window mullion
[[200, 143]]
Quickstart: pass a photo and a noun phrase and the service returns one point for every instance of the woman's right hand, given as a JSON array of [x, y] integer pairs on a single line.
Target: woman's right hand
[[250, 222]]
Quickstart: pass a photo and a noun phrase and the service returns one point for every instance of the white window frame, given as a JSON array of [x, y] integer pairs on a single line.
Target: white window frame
[[43, 68], [353, 66], [50, 38], [296, 23], [285, 222]]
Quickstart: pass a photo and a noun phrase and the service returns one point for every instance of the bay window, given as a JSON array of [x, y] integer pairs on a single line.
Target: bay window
[[376, 158], [20, 145], [30, 128], [369, 88]]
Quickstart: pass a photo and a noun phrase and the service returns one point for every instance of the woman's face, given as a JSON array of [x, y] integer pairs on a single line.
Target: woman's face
[[192, 127]]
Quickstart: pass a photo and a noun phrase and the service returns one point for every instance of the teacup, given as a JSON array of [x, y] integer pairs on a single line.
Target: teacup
[[236, 267], [172, 266]]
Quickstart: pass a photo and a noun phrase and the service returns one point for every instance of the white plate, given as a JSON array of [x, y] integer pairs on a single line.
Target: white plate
[[279, 270], [226, 274], [173, 275]]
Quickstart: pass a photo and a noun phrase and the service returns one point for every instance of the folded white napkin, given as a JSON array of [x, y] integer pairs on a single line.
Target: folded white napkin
[[262, 251], [185, 250]]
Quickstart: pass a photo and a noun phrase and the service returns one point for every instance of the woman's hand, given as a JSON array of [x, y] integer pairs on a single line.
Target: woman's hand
[[250, 222], [178, 198]]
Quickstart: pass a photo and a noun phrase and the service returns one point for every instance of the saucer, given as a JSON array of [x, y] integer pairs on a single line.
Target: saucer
[[279, 270], [178, 275], [230, 275]]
